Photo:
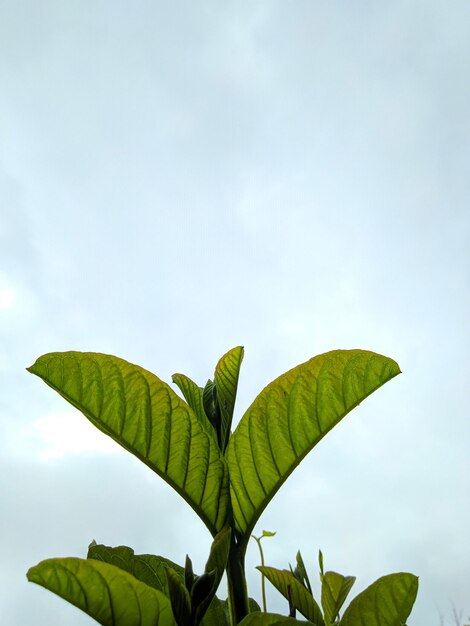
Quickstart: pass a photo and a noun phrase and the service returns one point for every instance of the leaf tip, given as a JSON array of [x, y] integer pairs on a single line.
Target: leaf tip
[[31, 574]]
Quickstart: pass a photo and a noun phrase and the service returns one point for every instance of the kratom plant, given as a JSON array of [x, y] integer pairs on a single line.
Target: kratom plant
[[227, 478]]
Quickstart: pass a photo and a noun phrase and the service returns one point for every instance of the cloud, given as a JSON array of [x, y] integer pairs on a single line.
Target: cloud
[[58, 435]]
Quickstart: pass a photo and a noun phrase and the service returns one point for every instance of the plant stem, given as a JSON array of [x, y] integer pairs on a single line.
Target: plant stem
[[263, 581], [237, 590]]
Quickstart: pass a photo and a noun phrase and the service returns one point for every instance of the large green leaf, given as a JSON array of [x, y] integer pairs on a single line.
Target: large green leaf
[[303, 600], [271, 619], [226, 381], [149, 419], [387, 602], [289, 417], [106, 593], [334, 591]]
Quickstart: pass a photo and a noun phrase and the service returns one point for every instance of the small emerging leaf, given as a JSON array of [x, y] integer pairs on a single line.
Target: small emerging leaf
[[193, 396], [268, 533], [180, 599], [334, 591], [387, 602], [201, 594], [106, 593], [302, 598], [226, 381], [209, 401], [188, 574], [301, 573]]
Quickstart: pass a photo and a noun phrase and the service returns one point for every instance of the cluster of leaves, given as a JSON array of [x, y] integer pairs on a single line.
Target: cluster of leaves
[[388, 601], [227, 478]]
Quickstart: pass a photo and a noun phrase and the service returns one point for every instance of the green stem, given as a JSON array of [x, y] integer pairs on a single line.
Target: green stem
[[237, 590], [263, 581]]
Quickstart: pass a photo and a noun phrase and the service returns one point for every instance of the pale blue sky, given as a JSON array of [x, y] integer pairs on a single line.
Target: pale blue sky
[[180, 178]]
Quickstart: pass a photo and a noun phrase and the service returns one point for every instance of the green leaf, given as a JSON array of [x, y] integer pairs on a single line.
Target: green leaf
[[106, 593], [254, 606], [211, 409], [219, 553], [300, 572], [226, 380], [289, 417], [215, 568], [147, 568], [216, 614], [188, 574], [180, 599], [302, 598], [151, 570], [270, 619], [149, 419], [334, 591], [202, 592], [193, 396], [387, 602]]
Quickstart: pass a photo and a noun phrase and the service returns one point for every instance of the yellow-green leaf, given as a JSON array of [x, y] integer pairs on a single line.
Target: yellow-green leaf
[[303, 600], [193, 395], [334, 591], [149, 419], [289, 417], [106, 593], [226, 382], [387, 602], [148, 568]]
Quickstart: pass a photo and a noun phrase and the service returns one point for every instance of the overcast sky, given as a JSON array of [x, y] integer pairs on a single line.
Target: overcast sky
[[177, 178]]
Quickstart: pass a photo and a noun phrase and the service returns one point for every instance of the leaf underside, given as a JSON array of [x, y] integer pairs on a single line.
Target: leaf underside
[[289, 417], [387, 602], [143, 414], [106, 593]]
